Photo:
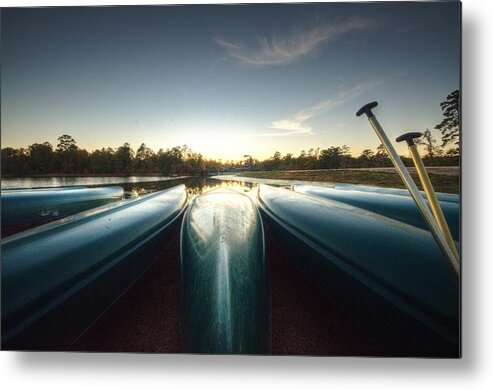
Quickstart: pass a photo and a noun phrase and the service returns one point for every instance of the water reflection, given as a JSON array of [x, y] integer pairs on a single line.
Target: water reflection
[[133, 186], [284, 183], [195, 186]]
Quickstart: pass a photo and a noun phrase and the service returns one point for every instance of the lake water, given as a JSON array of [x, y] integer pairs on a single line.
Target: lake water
[[132, 185], [273, 182], [43, 182]]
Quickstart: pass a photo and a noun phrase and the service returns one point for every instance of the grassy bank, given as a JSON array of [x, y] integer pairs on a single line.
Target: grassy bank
[[441, 183]]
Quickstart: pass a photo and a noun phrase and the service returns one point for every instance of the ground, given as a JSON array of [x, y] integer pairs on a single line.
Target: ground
[[146, 317], [444, 179]]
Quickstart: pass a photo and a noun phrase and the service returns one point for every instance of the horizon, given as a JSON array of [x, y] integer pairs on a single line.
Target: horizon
[[226, 80]]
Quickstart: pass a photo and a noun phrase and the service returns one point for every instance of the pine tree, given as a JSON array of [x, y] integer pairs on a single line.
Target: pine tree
[[449, 126]]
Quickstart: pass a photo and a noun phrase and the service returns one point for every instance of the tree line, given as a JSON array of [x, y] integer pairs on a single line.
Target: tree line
[[340, 157], [68, 158]]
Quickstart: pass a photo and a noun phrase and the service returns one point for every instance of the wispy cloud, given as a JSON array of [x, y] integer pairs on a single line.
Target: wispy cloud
[[279, 51], [297, 124]]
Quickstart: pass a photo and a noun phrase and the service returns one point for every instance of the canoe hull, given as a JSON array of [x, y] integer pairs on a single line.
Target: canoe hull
[[59, 278], [400, 292], [442, 197], [225, 293], [34, 207], [398, 207]]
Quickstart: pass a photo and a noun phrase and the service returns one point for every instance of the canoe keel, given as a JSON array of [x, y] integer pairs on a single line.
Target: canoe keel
[[225, 294]]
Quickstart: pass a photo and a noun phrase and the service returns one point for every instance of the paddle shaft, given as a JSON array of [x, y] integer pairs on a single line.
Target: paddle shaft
[[444, 245], [432, 197]]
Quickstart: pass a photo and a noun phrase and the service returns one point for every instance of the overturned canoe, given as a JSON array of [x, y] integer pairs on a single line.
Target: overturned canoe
[[388, 276], [400, 208], [33, 207], [24, 189], [442, 197], [225, 295], [58, 278]]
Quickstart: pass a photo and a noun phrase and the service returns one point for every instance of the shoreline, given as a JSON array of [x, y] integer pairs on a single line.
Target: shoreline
[[387, 178], [444, 179], [48, 175]]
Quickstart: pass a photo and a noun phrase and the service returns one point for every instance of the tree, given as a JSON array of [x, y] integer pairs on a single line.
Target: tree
[[311, 159], [196, 164], [102, 161], [382, 157], [124, 155], [303, 160], [66, 143], [346, 157], [143, 158], [449, 126], [276, 160], [40, 157], [15, 161], [366, 158], [67, 159], [453, 152], [176, 153], [331, 157], [429, 143], [248, 161], [8, 161], [287, 160]]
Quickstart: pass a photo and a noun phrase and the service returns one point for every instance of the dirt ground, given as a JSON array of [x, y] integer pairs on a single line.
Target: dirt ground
[[146, 317], [448, 171], [444, 179]]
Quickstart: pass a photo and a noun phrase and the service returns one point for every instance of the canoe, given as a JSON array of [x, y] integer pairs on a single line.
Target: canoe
[[33, 207], [387, 276], [224, 289], [7, 190], [400, 208], [442, 197], [59, 277]]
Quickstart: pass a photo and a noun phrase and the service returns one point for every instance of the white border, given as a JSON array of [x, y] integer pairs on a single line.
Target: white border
[[136, 371]]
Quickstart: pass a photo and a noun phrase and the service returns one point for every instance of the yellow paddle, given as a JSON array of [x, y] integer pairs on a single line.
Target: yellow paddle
[[448, 251], [428, 187]]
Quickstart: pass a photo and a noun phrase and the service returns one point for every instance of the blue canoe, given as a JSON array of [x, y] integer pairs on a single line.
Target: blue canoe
[[58, 278], [388, 276], [442, 197], [225, 294], [400, 208], [24, 189], [32, 207]]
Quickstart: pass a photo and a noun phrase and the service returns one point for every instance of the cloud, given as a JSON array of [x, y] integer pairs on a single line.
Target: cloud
[[275, 51], [297, 125]]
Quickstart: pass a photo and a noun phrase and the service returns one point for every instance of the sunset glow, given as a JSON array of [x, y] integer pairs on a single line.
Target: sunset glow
[[226, 80]]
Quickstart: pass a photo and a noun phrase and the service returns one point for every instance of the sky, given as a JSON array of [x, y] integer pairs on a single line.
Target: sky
[[226, 80]]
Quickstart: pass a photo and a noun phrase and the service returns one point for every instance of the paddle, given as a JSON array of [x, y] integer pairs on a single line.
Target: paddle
[[428, 187], [444, 245]]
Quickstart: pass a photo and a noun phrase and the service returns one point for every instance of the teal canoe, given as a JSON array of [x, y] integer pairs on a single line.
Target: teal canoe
[[388, 276], [398, 207], [59, 277], [442, 197], [225, 294], [33, 207], [23, 189]]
